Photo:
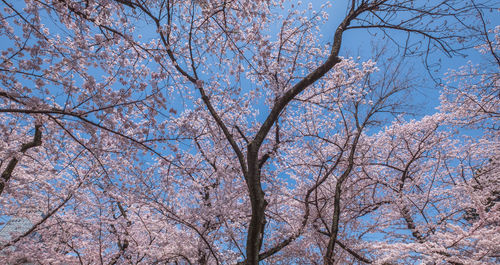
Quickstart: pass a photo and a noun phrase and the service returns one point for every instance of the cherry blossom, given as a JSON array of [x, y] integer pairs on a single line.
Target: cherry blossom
[[245, 132]]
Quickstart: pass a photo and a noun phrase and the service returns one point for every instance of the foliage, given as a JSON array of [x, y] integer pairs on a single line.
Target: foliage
[[231, 132]]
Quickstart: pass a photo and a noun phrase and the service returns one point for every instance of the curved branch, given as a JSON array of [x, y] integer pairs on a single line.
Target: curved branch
[[7, 173]]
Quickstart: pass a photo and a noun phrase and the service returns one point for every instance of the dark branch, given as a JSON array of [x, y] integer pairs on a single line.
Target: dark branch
[[7, 173]]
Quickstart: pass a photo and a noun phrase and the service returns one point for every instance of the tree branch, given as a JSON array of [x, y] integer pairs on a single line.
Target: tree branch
[[7, 173]]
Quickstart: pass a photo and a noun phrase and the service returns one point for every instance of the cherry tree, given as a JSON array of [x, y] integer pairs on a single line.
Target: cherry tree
[[239, 132], [441, 175]]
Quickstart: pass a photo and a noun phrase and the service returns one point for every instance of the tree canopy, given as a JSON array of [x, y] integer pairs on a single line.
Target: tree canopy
[[248, 132]]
